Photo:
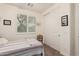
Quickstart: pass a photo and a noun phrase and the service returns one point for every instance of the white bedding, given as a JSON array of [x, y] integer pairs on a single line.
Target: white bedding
[[17, 45]]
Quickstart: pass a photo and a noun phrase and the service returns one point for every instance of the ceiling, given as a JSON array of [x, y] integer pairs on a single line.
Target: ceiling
[[37, 7]]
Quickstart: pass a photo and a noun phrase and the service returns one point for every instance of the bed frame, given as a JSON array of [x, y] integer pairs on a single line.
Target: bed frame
[[36, 51]]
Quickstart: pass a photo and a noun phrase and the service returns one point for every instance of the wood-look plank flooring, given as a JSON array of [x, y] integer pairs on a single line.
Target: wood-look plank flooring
[[50, 51]]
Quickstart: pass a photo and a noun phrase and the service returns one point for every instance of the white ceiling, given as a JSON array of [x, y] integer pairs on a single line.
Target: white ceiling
[[37, 7]]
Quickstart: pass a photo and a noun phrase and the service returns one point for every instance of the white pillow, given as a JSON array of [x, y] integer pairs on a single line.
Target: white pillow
[[3, 41]]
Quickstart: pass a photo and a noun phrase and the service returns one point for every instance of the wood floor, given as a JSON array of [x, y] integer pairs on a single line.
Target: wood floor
[[50, 51]]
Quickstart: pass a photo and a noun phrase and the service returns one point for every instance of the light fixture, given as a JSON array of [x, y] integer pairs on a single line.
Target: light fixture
[[30, 4]]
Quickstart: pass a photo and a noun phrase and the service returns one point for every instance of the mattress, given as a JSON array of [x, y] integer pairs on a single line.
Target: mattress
[[21, 46]]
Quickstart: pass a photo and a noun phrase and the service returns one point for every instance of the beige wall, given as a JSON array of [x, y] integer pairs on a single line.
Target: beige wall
[[77, 29], [55, 35], [10, 13]]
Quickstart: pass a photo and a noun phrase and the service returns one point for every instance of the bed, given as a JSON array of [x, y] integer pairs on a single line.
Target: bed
[[24, 47]]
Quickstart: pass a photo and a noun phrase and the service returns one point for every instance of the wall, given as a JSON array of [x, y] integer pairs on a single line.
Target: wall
[[55, 35], [77, 28], [10, 13], [72, 30]]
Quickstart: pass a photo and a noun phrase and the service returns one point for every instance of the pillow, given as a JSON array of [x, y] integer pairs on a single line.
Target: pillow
[[3, 41]]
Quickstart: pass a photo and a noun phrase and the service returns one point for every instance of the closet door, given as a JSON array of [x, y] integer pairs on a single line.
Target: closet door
[[51, 31]]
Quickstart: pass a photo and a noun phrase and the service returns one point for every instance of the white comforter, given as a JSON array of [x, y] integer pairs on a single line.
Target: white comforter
[[18, 45]]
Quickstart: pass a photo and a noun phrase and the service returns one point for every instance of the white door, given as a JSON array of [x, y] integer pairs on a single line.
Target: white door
[[51, 31]]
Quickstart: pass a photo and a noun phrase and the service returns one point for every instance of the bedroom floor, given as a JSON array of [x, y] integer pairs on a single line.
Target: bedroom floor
[[50, 51]]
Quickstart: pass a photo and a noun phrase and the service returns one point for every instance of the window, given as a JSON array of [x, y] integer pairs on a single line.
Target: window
[[26, 23], [31, 24]]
